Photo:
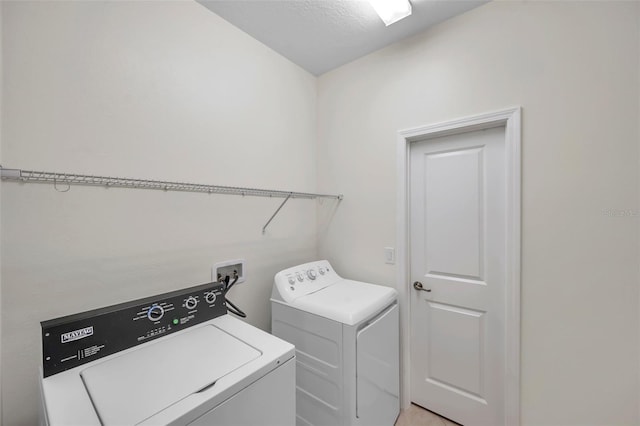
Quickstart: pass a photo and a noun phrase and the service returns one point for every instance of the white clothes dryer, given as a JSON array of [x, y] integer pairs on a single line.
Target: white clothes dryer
[[172, 359], [346, 335]]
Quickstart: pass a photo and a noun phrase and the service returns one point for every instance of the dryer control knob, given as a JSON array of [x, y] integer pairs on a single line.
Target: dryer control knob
[[191, 302], [155, 313], [291, 280], [210, 297], [321, 270], [299, 277], [311, 274]]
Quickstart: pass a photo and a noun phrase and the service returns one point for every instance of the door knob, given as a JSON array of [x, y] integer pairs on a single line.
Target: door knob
[[418, 286]]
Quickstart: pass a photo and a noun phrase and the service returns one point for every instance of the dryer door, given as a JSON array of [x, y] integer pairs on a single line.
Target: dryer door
[[378, 370]]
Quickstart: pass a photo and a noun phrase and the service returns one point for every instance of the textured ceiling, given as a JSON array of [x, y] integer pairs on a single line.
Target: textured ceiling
[[320, 35]]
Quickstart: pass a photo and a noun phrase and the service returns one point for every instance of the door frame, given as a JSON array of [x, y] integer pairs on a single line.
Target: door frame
[[511, 119]]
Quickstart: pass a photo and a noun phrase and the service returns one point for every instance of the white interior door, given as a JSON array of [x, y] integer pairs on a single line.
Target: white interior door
[[458, 254]]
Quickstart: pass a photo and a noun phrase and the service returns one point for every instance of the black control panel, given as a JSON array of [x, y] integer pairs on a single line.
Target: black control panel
[[74, 340]]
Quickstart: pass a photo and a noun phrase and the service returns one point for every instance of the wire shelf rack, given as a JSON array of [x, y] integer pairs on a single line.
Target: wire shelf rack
[[68, 179]]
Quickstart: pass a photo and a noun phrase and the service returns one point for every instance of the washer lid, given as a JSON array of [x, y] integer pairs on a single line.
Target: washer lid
[[346, 301], [132, 387]]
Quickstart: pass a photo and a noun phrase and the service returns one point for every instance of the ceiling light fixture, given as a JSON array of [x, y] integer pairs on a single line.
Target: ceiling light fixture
[[391, 11]]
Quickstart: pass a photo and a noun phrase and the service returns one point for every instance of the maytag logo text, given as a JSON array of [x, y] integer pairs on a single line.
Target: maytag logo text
[[77, 334]]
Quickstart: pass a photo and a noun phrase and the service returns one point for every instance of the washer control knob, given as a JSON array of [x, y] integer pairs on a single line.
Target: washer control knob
[[291, 280], [311, 274], [155, 313], [321, 270], [299, 277], [191, 302], [210, 297]]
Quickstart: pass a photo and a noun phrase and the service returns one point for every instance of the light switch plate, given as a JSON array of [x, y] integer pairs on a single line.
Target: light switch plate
[[390, 255]]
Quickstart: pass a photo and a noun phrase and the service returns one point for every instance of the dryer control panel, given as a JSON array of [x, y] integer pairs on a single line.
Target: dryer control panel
[[70, 341], [301, 280]]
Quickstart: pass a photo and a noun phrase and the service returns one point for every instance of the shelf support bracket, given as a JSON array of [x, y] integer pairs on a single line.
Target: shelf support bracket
[[264, 228]]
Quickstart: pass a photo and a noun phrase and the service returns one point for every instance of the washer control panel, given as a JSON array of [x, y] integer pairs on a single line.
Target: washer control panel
[[74, 340], [304, 279]]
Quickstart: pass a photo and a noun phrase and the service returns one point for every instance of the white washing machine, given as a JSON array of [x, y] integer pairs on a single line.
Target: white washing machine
[[346, 335], [173, 359]]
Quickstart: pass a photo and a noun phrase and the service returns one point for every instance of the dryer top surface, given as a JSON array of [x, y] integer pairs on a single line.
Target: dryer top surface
[[316, 288], [348, 302]]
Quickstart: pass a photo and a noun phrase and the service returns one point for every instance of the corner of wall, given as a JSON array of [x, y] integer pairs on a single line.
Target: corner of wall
[[638, 205], [1, 113]]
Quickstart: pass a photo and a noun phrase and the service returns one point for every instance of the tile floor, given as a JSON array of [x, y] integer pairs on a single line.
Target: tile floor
[[418, 416]]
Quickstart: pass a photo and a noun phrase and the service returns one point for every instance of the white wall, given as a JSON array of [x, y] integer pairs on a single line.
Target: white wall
[[159, 90], [573, 67], [170, 91], [1, 109]]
